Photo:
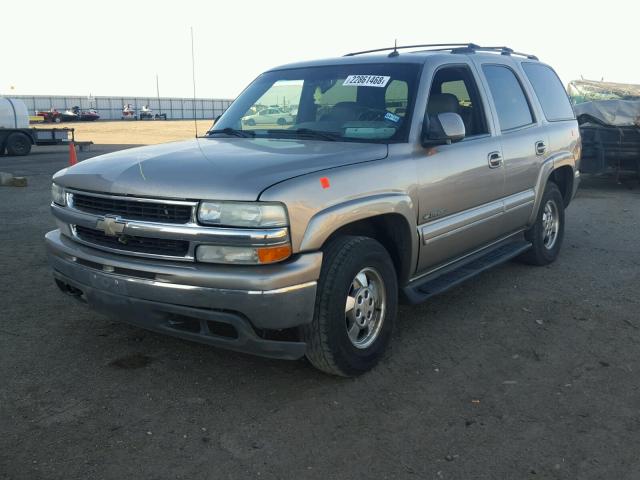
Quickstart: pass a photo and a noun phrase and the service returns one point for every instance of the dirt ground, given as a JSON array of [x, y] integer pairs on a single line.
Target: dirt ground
[[521, 373], [133, 132]]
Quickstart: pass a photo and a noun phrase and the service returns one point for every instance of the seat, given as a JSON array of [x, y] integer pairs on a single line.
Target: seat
[[442, 103], [448, 103], [343, 112]]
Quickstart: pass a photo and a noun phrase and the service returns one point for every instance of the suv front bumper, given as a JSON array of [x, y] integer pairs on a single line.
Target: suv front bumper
[[233, 307]]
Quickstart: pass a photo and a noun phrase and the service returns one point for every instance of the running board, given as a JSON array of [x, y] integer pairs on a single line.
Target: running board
[[438, 282]]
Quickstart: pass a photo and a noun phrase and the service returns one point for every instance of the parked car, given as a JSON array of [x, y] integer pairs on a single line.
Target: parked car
[[90, 115], [610, 131], [272, 116], [301, 240]]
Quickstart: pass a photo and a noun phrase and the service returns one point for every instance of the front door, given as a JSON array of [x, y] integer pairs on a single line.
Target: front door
[[462, 184]]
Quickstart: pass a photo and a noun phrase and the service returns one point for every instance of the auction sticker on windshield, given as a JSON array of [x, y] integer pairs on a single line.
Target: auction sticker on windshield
[[366, 80]]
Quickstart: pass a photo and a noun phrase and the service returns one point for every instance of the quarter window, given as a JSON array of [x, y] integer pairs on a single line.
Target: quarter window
[[549, 90], [509, 98]]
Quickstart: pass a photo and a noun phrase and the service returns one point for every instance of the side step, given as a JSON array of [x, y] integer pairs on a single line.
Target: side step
[[438, 282]]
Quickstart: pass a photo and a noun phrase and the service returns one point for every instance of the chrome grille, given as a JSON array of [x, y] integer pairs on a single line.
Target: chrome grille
[[146, 245], [151, 211], [149, 227]]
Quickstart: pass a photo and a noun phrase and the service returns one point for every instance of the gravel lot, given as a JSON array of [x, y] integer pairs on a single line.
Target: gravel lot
[[522, 373], [140, 132]]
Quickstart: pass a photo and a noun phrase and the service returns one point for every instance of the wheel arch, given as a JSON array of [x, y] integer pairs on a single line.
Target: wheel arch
[[563, 178], [560, 169], [389, 219]]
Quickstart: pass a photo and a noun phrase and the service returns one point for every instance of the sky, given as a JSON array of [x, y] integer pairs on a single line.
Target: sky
[[117, 47]]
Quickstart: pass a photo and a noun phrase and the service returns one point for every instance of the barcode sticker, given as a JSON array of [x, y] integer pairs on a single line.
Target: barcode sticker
[[366, 81]]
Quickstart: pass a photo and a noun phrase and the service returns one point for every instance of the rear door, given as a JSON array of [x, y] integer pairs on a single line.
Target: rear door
[[523, 140]]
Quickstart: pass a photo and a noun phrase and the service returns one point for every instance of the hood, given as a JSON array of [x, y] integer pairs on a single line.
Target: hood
[[212, 168]]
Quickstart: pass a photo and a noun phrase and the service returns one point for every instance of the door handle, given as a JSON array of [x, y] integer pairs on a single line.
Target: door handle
[[540, 147], [494, 159]]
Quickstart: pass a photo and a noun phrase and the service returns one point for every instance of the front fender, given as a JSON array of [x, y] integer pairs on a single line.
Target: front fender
[[324, 223]]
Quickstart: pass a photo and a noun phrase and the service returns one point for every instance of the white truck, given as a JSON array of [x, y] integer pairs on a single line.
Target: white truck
[[17, 137]]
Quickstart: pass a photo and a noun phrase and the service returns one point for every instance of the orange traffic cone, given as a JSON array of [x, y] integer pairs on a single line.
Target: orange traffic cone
[[73, 159]]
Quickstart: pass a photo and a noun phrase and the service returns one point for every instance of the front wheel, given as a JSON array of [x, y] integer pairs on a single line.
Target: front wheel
[[547, 232], [355, 308]]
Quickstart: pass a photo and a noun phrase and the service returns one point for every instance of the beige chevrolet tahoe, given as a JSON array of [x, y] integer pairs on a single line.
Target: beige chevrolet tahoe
[[327, 192]]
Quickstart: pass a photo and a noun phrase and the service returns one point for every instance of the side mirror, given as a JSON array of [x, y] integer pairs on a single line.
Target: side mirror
[[443, 128]]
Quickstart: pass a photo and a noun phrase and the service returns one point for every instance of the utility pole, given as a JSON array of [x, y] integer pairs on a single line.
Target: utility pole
[[158, 93]]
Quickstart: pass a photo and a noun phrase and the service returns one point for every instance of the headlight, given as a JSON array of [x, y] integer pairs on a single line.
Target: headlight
[[58, 195], [242, 214]]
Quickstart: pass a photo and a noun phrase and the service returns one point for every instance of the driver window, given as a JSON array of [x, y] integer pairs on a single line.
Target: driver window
[[455, 90]]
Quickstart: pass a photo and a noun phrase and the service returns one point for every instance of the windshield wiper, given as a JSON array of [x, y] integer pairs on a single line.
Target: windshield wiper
[[307, 132], [233, 132]]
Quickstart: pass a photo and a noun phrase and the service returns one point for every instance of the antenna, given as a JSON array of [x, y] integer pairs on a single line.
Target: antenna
[[193, 76], [395, 52]]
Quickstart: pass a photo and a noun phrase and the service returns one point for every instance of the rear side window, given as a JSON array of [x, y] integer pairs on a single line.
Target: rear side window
[[509, 98], [549, 90]]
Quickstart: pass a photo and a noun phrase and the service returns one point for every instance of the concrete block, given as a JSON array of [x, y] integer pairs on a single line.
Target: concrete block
[[19, 182], [6, 179]]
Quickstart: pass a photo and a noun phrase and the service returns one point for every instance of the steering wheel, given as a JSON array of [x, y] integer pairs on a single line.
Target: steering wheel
[[372, 115]]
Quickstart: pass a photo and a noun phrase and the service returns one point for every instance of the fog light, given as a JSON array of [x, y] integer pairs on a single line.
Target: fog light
[[242, 255], [221, 254]]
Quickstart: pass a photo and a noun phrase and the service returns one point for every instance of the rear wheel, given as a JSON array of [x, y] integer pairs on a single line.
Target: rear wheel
[[282, 121], [547, 232], [355, 307], [18, 144]]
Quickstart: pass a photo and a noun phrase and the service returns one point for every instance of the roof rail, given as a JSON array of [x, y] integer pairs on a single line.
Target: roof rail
[[440, 46], [502, 50], [451, 47]]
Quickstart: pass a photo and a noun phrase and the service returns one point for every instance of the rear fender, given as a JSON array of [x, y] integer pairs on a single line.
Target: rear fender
[[552, 163]]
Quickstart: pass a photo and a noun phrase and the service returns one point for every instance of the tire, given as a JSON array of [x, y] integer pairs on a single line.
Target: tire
[[546, 244], [330, 347], [57, 119], [251, 122], [18, 144], [282, 121]]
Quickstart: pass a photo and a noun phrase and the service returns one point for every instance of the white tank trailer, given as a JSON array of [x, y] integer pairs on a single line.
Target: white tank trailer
[[13, 114], [17, 138]]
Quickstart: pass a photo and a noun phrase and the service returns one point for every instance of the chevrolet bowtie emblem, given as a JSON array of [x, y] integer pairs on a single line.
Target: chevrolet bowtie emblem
[[111, 225]]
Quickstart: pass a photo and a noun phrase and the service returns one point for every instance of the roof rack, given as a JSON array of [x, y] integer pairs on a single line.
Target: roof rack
[[444, 47]]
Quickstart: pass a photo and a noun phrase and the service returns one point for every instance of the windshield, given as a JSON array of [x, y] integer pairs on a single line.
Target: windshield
[[363, 103]]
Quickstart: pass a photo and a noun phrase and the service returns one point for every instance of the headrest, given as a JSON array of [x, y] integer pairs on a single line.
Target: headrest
[[442, 103]]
